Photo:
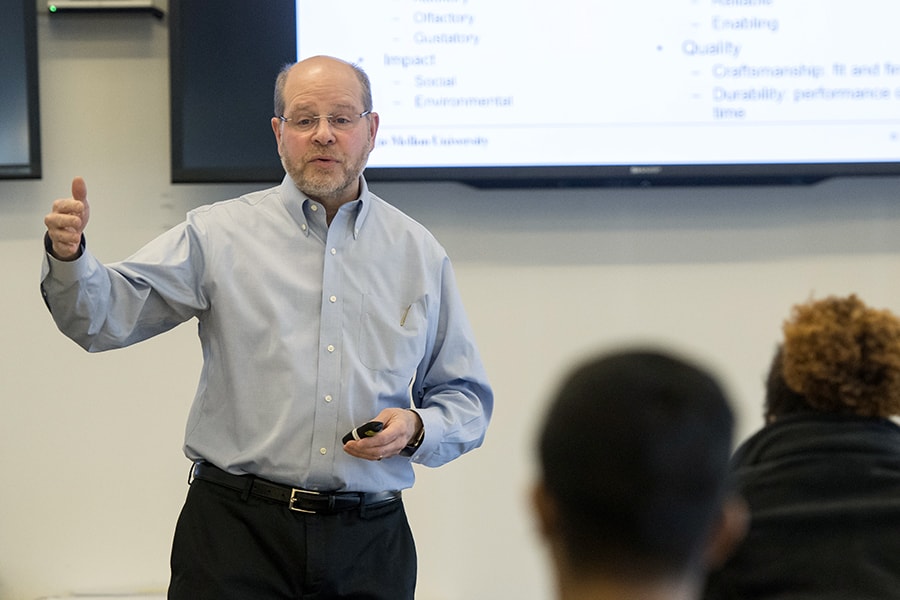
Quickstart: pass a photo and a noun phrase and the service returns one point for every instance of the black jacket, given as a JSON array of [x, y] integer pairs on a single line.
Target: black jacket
[[824, 497]]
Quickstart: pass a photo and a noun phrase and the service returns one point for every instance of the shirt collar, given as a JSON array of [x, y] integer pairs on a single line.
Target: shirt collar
[[365, 204], [294, 201]]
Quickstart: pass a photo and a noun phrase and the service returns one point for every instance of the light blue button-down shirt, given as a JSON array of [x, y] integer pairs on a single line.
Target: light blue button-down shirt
[[307, 331]]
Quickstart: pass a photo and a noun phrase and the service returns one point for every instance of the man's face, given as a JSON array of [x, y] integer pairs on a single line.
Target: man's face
[[324, 162]]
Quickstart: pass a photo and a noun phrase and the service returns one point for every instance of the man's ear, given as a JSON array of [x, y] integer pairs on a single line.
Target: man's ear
[[276, 129], [728, 531], [374, 120], [545, 510]]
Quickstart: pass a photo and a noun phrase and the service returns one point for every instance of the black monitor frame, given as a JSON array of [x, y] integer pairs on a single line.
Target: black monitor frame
[[20, 16]]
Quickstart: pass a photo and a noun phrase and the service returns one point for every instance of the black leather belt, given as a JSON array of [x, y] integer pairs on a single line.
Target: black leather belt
[[300, 500]]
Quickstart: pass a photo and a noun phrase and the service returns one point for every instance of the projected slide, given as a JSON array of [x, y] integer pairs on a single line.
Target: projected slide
[[570, 82]]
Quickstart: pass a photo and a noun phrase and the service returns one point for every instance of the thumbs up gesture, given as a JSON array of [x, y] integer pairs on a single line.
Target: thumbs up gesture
[[67, 220]]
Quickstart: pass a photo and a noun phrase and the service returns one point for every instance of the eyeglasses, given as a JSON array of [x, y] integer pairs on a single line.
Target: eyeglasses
[[311, 122]]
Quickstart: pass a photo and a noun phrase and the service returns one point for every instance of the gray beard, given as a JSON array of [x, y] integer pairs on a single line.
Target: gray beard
[[325, 189]]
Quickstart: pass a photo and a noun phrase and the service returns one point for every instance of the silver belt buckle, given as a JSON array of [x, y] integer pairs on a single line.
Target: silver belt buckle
[[294, 497]]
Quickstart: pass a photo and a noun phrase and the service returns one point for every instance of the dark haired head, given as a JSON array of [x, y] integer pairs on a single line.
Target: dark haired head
[[634, 453]]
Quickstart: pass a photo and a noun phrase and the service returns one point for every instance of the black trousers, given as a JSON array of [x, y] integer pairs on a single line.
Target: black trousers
[[231, 547]]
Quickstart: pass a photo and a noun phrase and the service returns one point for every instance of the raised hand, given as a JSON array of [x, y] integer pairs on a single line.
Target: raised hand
[[67, 221]]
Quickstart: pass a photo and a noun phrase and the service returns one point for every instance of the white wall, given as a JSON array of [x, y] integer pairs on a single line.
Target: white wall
[[92, 472]]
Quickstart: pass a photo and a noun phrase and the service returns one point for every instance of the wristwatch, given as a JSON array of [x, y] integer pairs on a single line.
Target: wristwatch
[[411, 447]]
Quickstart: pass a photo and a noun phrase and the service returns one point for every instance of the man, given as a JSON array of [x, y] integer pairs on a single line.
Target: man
[[632, 497], [320, 308]]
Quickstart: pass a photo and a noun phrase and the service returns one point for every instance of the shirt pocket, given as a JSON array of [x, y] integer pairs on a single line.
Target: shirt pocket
[[391, 335]]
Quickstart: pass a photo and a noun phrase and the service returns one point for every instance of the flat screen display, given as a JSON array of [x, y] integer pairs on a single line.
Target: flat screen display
[[571, 92]]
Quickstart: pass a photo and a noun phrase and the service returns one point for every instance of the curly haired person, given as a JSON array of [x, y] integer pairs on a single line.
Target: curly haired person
[[822, 477]]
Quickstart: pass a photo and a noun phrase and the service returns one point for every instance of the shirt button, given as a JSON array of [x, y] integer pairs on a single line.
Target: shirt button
[[328, 398], [314, 207], [333, 251], [332, 298], [330, 348], [323, 451], [303, 227]]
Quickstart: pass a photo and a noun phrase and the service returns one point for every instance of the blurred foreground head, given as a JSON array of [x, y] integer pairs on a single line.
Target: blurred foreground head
[[633, 471]]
